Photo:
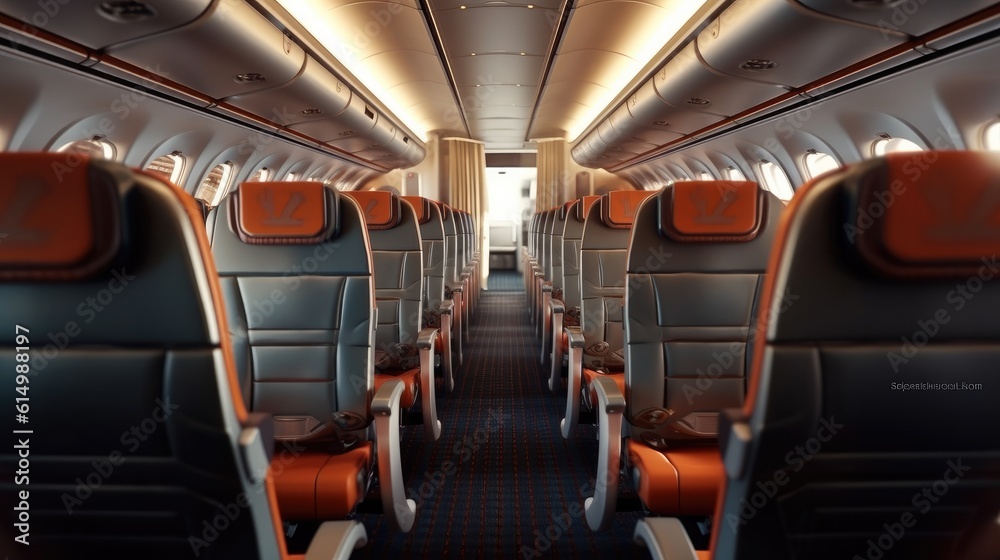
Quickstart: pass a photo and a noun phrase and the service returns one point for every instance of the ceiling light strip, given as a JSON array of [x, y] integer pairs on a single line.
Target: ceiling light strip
[[435, 35], [550, 57]]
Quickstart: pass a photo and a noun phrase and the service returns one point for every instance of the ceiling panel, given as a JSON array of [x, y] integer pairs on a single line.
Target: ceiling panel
[[497, 69]]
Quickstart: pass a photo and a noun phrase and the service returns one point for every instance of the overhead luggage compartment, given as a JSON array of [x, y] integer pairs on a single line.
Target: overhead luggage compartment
[[230, 50], [782, 42], [315, 94], [913, 17], [355, 121], [98, 24]]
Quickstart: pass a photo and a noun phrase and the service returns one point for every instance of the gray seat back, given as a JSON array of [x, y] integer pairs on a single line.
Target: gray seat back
[[602, 277], [572, 242], [135, 407], [696, 262], [558, 223], [452, 261], [432, 237], [871, 415], [294, 264], [399, 277]]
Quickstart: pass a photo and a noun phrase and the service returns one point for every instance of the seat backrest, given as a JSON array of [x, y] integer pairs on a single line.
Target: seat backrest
[[462, 237], [452, 264], [871, 414], [558, 223], [572, 241], [294, 264], [602, 277], [432, 238], [137, 430], [399, 277], [696, 262], [544, 242]]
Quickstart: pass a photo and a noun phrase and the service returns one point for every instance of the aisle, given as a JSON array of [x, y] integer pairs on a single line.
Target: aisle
[[501, 482]]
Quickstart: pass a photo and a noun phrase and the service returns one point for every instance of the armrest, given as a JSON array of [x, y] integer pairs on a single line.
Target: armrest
[[665, 538], [257, 446], [464, 276], [557, 307], [574, 378], [734, 441], [399, 511], [460, 288], [428, 400], [546, 287], [610, 408], [447, 306], [446, 312], [336, 540]]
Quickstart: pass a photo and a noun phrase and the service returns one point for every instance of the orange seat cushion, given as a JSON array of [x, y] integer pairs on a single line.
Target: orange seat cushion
[[590, 375], [316, 485], [677, 481], [411, 385]]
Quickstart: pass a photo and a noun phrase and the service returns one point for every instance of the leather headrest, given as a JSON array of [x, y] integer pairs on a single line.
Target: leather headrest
[[583, 208], [712, 211], [381, 208], [564, 211], [926, 214], [421, 206], [619, 208], [284, 213], [59, 218]]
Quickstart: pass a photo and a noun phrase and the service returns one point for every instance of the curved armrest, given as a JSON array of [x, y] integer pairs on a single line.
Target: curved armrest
[[336, 540], [610, 408], [665, 538], [557, 307], [428, 401], [464, 276], [574, 378], [547, 287], [446, 311], [257, 445], [447, 306], [399, 511]]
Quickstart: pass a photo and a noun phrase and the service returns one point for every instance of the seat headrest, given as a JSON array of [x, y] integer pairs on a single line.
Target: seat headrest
[[618, 210], [445, 214], [59, 218], [926, 214], [583, 208], [723, 211], [283, 213], [421, 206], [381, 208], [564, 210]]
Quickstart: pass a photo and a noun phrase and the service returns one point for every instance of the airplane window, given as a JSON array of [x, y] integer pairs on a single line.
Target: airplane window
[[170, 166], [705, 176], [733, 174], [292, 177], [216, 184], [884, 146], [818, 163], [95, 147], [775, 180], [262, 174], [991, 136]]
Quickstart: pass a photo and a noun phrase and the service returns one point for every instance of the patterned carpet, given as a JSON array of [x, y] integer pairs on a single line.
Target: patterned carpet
[[505, 281], [501, 482]]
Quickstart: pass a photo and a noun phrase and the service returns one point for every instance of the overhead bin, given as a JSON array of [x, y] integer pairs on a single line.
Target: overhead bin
[[781, 42], [230, 50], [355, 121], [315, 94], [686, 82], [912, 17], [98, 24]]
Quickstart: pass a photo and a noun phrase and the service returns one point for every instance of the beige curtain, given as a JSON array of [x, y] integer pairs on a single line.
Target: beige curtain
[[463, 186], [553, 173]]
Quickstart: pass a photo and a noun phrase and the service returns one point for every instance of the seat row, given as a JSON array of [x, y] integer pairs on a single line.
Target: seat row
[[785, 383], [257, 367]]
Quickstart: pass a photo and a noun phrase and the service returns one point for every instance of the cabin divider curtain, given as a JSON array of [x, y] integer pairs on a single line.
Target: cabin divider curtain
[[463, 182], [553, 173]]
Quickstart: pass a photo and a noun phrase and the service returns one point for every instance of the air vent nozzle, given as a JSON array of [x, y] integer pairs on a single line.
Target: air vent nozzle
[[125, 11]]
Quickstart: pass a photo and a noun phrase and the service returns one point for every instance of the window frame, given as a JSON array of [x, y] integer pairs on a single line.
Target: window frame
[[808, 170], [767, 176]]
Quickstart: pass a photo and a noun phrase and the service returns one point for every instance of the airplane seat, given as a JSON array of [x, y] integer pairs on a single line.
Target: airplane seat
[[403, 348], [868, 424], [597, 348], [553, 290], [696, 261], [136, 429], [295, 267], [455, 282], [437, 310], [567, 313], [543, 270], [464, 267]]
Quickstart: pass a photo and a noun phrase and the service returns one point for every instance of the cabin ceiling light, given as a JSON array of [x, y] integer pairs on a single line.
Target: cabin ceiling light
[[759, 64], [698, 101], [249, 77]]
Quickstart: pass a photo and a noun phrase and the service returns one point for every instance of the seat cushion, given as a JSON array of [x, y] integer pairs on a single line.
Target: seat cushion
[[590, 375], [677, 481], [316, 485], [411, 384]]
